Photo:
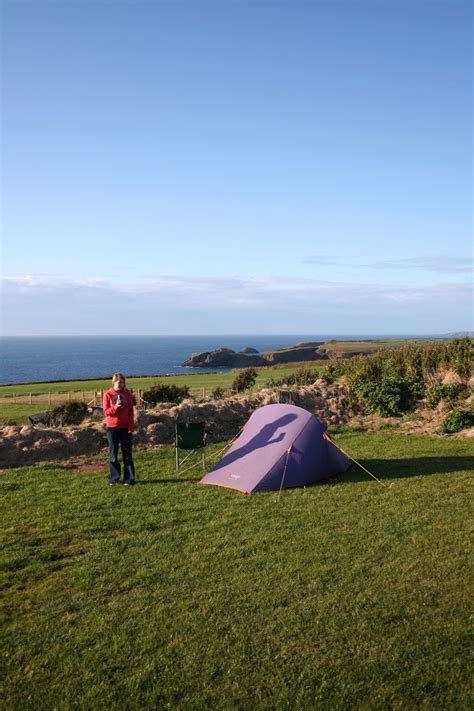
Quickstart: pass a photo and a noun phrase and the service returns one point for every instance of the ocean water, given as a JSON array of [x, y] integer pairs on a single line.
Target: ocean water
[[42, 359]]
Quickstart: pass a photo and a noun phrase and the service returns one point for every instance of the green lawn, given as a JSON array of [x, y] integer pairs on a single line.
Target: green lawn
[[344, 595]]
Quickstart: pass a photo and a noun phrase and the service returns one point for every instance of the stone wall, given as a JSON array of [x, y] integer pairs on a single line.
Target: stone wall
[[29, 445]]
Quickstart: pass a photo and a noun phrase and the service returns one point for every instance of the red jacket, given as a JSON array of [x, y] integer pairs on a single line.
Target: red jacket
[[118, 416]]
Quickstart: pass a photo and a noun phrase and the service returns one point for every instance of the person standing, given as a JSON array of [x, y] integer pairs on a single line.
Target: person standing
[[119, 418]]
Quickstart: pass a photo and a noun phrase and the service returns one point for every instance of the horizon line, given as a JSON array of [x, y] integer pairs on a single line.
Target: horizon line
[[233, 335]]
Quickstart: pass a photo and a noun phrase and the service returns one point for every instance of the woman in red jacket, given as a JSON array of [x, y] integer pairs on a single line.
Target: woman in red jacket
[[118, 411]]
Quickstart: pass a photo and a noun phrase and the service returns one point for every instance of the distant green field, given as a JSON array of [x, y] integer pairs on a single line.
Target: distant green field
[[171, 595], [194, 379], [377, 345], [17, 402]]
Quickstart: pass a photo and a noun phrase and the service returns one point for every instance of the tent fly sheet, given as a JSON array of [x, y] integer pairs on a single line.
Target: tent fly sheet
[[280, 446]]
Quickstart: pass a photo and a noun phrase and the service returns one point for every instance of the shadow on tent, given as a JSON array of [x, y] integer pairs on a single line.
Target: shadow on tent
[[262, 438]]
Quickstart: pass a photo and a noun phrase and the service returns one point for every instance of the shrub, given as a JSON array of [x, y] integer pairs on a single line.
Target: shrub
[[458, 420], [244, 380], [218, 393], [70, 413], [166, 393], [388, 396], [448, 391]]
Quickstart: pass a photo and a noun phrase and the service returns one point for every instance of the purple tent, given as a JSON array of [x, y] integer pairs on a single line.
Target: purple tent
[[280, 446]]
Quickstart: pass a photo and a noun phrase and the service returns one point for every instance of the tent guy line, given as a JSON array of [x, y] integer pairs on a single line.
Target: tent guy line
[[388, 486]]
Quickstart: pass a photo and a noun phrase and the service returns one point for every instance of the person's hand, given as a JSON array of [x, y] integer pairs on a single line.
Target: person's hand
[[119, 401]]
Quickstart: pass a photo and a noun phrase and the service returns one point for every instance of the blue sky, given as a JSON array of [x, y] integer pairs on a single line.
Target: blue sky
[[236, 167]]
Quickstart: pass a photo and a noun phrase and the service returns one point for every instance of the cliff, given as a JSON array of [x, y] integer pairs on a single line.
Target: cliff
[[223, 358], [227, 358]]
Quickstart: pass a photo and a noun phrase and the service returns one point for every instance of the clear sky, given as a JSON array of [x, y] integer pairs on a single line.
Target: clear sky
[[236, 167]]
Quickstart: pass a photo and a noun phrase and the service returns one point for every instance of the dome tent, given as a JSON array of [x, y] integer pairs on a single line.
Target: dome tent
[[280, 446]]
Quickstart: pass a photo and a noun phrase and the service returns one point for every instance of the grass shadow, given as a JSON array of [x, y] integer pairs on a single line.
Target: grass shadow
[[139, 482], [403, 468]]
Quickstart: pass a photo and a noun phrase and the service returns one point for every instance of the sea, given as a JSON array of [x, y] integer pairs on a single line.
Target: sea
[[56, 358]]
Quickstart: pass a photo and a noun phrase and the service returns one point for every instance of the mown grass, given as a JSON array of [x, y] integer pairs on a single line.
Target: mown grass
[[345, 594]]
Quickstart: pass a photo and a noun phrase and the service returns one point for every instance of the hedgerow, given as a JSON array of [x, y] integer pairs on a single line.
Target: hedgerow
[[390, 382]]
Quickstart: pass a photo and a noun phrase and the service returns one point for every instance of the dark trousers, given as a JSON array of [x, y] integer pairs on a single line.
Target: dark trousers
[[120, 436]]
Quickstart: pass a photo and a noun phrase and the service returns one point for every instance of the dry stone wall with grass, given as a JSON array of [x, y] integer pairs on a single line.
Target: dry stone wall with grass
[[20, 446]]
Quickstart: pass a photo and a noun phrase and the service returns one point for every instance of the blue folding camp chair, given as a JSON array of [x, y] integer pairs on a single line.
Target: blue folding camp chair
[[190, 437]]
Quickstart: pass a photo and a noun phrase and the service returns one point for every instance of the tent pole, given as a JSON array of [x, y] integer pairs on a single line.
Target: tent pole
[[277, 500]]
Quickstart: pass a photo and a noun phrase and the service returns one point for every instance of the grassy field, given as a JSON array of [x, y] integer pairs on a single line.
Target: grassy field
[[365, 347], [344, 595], [193, 379]]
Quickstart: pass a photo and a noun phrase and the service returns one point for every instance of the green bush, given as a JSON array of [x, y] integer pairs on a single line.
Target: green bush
[[449, 391], [166, 393], [388, 396], [458, 420], [70, 413], [218, 393], [244, 380]]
